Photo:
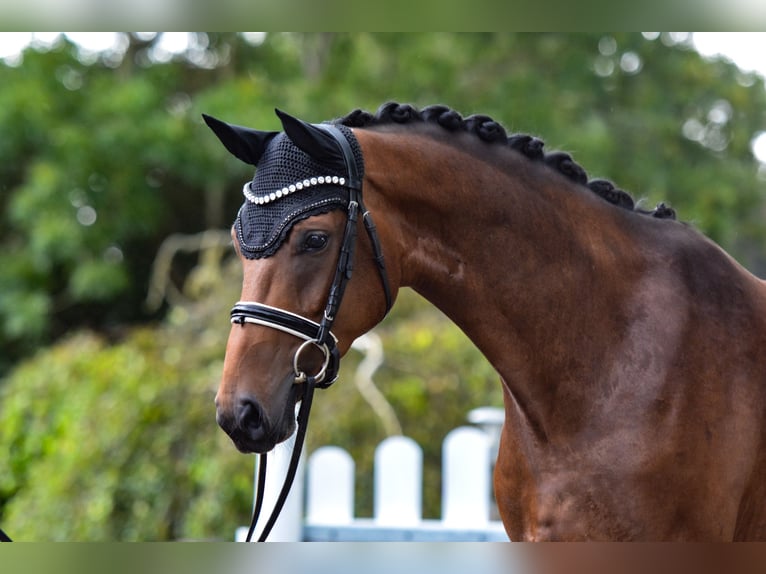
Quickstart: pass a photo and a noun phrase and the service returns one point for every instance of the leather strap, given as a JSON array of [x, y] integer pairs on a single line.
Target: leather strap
[[303, 423], [260, 314]]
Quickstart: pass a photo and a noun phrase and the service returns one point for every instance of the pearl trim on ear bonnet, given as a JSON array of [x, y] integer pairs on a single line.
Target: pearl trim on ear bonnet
[[289, 186]]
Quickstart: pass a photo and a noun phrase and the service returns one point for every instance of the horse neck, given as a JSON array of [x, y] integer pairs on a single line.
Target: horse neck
[[522, 260]]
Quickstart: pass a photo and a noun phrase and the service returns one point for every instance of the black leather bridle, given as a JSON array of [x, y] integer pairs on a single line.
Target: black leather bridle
[[315, 334]]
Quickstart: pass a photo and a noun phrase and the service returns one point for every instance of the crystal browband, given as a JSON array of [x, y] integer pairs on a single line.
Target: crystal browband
[[287, 190]]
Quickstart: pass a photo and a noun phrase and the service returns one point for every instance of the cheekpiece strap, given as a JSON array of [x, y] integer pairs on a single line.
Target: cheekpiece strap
[[355, 187]]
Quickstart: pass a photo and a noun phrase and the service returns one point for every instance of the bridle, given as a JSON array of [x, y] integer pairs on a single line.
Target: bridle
[[315, 334]]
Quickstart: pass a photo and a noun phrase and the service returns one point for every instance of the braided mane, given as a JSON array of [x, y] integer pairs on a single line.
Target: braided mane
[[490, 131]]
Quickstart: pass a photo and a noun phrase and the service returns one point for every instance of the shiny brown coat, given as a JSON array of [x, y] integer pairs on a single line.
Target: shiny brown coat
[[631, 350]]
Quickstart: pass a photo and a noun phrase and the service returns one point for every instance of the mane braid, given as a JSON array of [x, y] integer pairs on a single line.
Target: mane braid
[[491, 131]]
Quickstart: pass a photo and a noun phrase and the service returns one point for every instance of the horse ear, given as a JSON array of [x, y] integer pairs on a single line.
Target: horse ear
[[314, 141], [244, 143]]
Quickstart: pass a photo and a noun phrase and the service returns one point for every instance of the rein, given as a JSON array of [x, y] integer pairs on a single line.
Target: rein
[[313, 333]]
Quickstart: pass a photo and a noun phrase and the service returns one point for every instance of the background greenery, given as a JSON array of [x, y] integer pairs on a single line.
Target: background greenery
[[106, 419]]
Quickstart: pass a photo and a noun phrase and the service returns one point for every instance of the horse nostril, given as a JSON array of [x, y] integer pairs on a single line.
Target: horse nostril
[[247, 425], [250, 418]]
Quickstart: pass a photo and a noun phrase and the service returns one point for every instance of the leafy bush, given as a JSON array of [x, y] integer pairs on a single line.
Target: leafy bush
[[118, 441]]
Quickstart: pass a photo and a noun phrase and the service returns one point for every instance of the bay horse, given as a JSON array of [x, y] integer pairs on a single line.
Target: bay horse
[[631, 349]]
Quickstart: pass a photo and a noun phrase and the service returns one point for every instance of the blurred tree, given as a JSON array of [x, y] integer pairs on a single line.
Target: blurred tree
[[105, 156], [101, 162]]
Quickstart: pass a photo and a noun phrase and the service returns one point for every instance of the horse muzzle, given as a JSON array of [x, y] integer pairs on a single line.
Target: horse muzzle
[[250, 427]]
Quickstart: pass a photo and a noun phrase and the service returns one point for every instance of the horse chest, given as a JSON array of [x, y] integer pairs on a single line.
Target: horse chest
[[554, 494], [564, 504]]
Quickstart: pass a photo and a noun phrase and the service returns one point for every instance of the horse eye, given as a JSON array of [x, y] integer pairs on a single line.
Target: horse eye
[[314, 241]]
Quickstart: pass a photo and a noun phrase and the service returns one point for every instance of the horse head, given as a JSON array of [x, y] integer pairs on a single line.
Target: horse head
[[296, 237]]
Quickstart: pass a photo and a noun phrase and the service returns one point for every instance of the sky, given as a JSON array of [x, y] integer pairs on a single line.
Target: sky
[[746, 49]]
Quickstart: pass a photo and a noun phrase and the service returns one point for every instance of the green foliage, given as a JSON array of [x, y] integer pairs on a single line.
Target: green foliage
[[119, 442], [103, 158], [110, 432], [95, 175]]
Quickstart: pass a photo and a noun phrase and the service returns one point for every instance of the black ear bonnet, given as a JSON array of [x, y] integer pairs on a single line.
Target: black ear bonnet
[[290, 184]]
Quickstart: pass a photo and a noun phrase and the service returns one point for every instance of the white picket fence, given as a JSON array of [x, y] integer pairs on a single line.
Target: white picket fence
[[321, 504]]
